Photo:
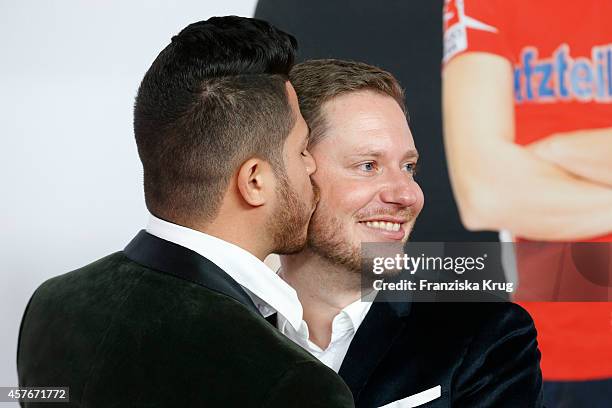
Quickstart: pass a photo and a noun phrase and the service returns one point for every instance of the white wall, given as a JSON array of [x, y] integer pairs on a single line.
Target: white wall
[[71, 182]]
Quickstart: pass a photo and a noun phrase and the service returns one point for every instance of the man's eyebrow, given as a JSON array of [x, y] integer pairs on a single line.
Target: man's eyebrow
[[410, 154]]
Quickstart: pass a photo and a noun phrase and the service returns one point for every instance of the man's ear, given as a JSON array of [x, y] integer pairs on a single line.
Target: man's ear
[[255, 181]]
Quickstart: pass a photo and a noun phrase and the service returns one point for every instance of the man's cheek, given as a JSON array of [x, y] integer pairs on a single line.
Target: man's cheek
[[353, 197]]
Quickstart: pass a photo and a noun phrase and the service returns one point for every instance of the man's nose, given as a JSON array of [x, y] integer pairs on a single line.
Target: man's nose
[[401, 190], [311, 164]]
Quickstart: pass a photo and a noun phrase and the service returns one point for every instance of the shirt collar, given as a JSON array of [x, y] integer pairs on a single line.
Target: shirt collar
[[347, 321], [262, 284], [351, 316], [356, 312]]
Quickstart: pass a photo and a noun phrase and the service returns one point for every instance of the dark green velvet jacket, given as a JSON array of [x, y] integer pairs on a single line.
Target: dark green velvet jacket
[[158, 325]]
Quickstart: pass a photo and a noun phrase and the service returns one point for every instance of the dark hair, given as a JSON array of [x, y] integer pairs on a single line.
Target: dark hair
[[318, 81], [214, 97]]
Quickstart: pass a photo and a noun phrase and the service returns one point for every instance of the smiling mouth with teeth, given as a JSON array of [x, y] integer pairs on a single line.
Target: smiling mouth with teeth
[[387, 226]]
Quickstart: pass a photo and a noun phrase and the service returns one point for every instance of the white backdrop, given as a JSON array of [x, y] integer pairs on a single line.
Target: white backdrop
[[71, 181]]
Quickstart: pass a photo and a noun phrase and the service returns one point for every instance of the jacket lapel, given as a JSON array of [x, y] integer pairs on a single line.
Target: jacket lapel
[[172, 259], [383, 323]]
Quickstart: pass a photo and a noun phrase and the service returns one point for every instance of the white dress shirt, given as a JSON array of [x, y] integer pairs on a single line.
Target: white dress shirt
[[269, 292], [344, 327]]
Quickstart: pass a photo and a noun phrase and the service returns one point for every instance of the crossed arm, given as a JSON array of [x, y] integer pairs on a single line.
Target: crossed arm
[[585, 153], [558, 189]]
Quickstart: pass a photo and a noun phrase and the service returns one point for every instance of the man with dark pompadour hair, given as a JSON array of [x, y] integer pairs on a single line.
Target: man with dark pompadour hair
[[177, 317], [389, 353]]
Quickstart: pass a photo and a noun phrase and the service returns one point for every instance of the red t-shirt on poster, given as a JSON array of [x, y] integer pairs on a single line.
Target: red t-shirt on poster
[[561, 53]]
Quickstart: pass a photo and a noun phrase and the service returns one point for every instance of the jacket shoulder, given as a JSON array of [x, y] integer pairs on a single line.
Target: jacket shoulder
[[309, 384], [118, 332]]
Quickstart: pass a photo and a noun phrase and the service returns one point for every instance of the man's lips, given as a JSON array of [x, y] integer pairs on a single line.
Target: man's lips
[[386, 218], [386, 227]]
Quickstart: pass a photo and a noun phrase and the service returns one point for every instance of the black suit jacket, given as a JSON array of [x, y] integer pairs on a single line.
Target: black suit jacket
[[158, 325], [480, 354]]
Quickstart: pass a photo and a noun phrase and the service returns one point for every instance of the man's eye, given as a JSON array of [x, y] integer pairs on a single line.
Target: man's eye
[[368, 166], [411, 168]]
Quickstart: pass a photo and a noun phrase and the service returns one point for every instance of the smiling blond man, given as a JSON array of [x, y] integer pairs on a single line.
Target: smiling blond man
[[460, 355]]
